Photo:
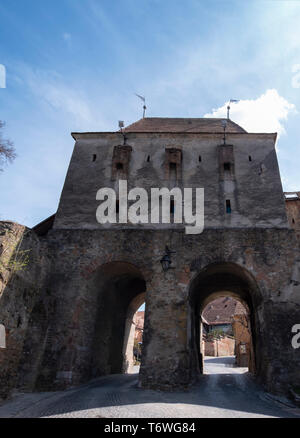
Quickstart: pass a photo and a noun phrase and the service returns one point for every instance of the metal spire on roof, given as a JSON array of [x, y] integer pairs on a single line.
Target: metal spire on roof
[[228, 107], [144, 107]]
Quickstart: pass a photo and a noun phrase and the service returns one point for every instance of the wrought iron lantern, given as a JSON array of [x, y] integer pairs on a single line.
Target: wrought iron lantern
[[166, 261]]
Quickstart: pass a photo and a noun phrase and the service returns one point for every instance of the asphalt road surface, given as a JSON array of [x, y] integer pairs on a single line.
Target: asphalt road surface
[[224, 391]]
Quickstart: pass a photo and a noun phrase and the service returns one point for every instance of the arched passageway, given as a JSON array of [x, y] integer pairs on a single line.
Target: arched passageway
[[226, 332], [130, 337], [122, 291], [222, 280]]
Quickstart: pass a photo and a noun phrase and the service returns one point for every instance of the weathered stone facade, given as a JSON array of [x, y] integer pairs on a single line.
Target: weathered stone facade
[[293, 211], [243, 345], [24, 266], [85, 281], [223, 346], [138, 322]]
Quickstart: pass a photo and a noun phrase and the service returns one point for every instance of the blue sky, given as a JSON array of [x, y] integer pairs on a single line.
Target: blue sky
[[74, 65]]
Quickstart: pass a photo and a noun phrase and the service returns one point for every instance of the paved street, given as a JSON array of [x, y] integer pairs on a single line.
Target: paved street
[[224, 391]]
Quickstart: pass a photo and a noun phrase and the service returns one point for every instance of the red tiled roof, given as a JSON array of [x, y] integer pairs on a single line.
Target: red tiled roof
[[221, 310], [165, 124]]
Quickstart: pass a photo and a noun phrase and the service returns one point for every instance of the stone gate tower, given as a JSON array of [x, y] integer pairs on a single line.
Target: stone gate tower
[[68, 314]]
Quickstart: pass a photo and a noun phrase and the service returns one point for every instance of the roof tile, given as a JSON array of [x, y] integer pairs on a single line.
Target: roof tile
[[164, 124]]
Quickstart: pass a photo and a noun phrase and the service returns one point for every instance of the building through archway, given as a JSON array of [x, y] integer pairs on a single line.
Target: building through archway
[[226, 332], [224, 280]]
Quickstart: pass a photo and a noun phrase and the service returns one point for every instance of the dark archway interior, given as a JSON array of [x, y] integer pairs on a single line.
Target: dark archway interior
[[121, 284], [222, 279]]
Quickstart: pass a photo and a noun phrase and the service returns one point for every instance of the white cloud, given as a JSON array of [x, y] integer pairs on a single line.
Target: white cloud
[[264, 114]]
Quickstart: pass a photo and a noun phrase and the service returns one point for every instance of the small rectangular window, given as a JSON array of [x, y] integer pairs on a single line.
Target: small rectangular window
[[228, 206], [119, 166], [250, 158], [200, 159], [94, 158], [227, 167]]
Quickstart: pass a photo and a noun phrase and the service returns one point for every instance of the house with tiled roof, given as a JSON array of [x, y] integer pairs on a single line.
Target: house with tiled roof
[[219, 313]]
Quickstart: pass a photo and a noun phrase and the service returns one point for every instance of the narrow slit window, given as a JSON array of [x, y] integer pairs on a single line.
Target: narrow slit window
[[293, 220], [250, 158], [228, 206], [117, 206], [173, 172], [172, 206], [148, 159], [94, 158], [200, 159], [227, 167]]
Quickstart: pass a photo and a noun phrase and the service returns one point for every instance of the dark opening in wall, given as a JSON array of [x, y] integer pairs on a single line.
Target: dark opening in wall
[[228, 206], [94, 158], [148, 159], [117, 206], [120, 162], [172, 206], [250, 158], [293, 220], [200, 159], [173, 161], [173, 172], [227, 167], [173, 167]]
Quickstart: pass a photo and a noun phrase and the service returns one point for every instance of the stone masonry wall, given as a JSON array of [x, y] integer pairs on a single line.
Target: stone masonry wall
[[62, 311], [248, 189], [271, 256], [23, 266], [293, 214]]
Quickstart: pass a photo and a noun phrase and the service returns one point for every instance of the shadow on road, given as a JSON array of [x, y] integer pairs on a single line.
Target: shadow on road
[[225, 394]]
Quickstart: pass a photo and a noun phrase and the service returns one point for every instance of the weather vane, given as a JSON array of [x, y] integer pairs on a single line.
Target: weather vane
[[228, 107], [144, 107]]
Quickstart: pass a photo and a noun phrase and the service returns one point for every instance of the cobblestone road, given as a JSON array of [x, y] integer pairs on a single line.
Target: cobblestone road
[[224, 391]]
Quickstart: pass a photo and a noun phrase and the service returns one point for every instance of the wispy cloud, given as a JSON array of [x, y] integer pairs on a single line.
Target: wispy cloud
[[51, 88], [267, 113], [185, 58], [65, 98], [67, 36]]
